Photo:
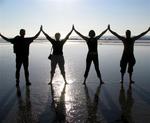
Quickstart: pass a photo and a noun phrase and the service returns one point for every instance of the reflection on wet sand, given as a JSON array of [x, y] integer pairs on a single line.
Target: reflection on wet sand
[[59, 105], [109, 105], [24, 107], [126, 103], [92, 106]]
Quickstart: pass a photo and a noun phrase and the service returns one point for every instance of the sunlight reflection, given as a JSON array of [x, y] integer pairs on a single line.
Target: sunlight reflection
[[68, 97]]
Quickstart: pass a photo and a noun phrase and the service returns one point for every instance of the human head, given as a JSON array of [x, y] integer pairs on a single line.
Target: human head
[[128, 33], [22, 32], [91, 33], [57, 36]]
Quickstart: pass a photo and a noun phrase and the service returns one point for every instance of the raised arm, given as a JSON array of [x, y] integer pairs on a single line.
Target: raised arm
[[47, 36], [82, 36], [6, 39], [97, 37], [114, 33], [33, 38], [65, 39], [142, 34]]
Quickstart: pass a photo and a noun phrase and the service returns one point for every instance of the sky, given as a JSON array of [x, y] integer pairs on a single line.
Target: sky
[[59, 15]]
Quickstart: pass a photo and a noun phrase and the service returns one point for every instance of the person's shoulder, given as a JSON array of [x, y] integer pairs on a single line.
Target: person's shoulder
[[17, 37], [29, 39], [95, 38], [62, 40]]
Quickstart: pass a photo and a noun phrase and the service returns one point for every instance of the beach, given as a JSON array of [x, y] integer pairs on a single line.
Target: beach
[[75, 102]]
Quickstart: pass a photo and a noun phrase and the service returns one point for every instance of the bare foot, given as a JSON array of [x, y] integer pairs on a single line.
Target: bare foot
[[101, 82], [132, 82], [66, 82], [84, 83], [121, 81], [50, 83], [28, 83], [17, 83]]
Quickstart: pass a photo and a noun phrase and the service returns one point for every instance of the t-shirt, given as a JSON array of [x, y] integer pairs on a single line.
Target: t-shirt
[[92, 44], [57, 47], [21, 45]]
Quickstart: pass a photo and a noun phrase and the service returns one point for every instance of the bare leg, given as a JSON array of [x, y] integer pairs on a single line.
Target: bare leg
[[18, 67], [61, 64], [130, 78], [26, 65], [123, 65], [130, 70], [53, 67], [122, 78], [52, 75], [88, 64], [84, 82], [96, 64], [64, 76]]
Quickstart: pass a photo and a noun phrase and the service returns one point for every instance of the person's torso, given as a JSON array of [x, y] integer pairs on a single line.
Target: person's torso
[[21, 46], [58, 48], [92, 44], [128, 47]]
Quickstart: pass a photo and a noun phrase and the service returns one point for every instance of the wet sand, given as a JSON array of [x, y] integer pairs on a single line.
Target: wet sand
[[75, 103]]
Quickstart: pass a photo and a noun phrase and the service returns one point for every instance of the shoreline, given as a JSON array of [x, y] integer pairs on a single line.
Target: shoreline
[[82, 42]]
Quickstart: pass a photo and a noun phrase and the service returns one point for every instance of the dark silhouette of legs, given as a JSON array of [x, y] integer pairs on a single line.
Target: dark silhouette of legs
[[19, 61], [18, 67], [130, 69], [58, 59], [88, 64], [96, 64], [53, 67], [122, 77], [130, 77], [92, 57], [26, 65], [61, 64], [123, 65], [130, 61]]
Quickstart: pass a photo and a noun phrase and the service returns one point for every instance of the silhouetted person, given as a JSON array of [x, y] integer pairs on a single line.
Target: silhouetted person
[[128, 52], [92, 106], [92, 42], [59, 106], [57, 56], [21, 49], [126, 103]]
